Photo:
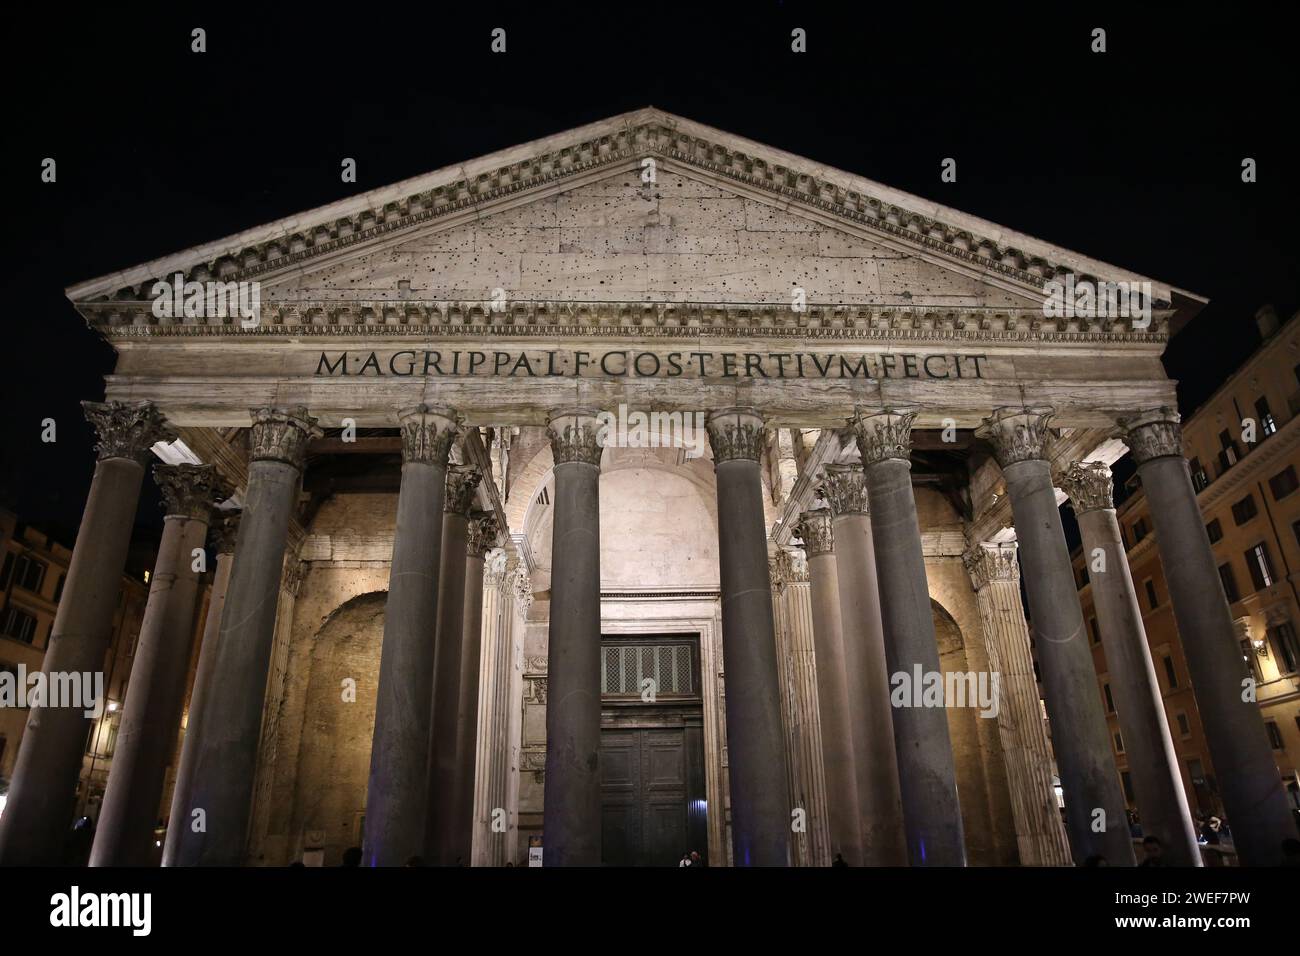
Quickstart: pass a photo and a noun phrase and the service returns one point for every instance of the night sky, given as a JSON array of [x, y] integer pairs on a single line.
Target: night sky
[[1132, 156]]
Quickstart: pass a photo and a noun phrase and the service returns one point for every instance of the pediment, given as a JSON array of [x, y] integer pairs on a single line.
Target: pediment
[[568, 219]]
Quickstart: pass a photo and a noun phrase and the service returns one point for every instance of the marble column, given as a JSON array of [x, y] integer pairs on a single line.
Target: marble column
[[1153, 763], [1027, 753], [1249, 781], [440, 838], [224, 531], [760, 806], [396, 804], [38, 815], [215, 822], [875, 761], [1094, 802], [571, 814], [816, 530], [481, 539], [927, 776], [151, 713]]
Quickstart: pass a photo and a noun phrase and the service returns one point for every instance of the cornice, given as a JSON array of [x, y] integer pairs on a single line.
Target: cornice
[[428, 318], [780, 178]]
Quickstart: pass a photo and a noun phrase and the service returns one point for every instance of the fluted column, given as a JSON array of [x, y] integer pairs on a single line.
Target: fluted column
[[816, 530], [760, 807], [152, 711], [1094, 802], [38, 814], [224, 533], [927, 776], [215, 823], [875, 762], [571, 815], [492, 828], [482, 535], [1027, 754], [440, 826], [1153, 764], [396, 804], [1253, 797]]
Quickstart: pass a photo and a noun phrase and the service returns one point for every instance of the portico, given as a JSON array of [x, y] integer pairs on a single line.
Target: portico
[[431, 510]]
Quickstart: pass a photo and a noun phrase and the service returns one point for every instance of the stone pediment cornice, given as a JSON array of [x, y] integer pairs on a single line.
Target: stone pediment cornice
[[426, 318], [478, 188]]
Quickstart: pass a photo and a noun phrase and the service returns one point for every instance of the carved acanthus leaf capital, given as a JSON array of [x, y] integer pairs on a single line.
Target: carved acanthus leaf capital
[[574, 435], [462, 485], [1154, 433], [280, 435], [845, 488], [1018, 434], [481, 535], [988, 562], [884, 434], [735, 434], [294, 573], [1089, 485], [126, 429], [225, 529], [190, 491], [523, 586], [816, 528], [428, 432]]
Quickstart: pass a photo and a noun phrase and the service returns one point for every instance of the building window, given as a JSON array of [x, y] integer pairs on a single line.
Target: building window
[[1119, 743], [1244, 510], [1261, 569], [1151, 594], [18, 624], [1228, 454], [1267, 424], [23, 571], [1215, 530], [1200, 480], [58, 588], [1285, 648], [1283, 483], [1110, 702], [1139, 530], [1252, 662], [1126, 778], [1274, 735], [1184, 725], [1229, 583], [1094, 630], [1171, 675]]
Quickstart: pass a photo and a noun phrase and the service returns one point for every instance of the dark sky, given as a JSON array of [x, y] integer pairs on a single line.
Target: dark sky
[[1132, 156]]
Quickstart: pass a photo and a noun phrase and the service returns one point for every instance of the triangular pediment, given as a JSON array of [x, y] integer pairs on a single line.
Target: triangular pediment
[[569, 218]]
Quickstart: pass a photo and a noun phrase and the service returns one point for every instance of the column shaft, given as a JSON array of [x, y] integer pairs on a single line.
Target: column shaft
[[760, 806], [396, 804], [38, 814], [1253, 797], [571, 814], [202, 687], [151, 714], [468, 687], [1152, 761], [927, 777], [226, 755]]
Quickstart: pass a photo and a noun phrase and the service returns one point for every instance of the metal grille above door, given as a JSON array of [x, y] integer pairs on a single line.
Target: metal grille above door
[[625, 666]]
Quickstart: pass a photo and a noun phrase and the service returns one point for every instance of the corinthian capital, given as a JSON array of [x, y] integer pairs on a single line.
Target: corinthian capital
[[126, 429], [224, 531], [462, 484], [482, 534], [735, 434], [190, 491], [1018, 434], [1154, 433], [1089, 485], [987, 562], [428, 432], [282, 435], [845, 488], [573, 433], [817, 531], [884, 434]]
